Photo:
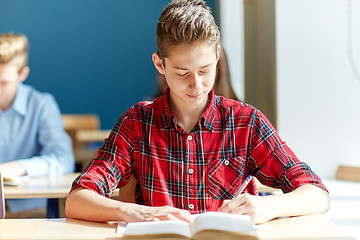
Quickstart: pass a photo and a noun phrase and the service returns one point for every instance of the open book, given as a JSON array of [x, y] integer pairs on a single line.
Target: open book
[[210, 225]]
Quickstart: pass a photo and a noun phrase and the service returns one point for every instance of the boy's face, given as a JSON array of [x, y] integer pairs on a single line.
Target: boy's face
[[190, 73], [10, 77]]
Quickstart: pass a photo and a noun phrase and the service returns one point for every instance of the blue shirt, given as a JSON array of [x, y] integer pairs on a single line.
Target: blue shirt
[[32, 133]]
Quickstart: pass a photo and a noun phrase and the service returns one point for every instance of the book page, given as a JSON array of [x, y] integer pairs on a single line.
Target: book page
[[175, 227], [120, 227], [223, 222]]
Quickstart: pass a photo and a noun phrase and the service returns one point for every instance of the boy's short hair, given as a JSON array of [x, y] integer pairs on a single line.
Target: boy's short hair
[[14, 46], [185, 21]]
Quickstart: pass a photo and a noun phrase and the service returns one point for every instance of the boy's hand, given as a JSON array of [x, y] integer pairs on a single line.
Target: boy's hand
[[12, 169], [245, 204], [306, 199], [138, 213]]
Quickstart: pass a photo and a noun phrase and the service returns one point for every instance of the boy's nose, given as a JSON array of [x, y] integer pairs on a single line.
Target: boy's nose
[[196, 81]]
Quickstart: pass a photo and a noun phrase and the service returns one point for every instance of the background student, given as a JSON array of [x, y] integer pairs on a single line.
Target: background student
[[190, 150], [32, 137]]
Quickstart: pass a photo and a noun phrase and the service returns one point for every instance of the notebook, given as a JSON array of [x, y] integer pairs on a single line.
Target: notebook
[[14, 181]]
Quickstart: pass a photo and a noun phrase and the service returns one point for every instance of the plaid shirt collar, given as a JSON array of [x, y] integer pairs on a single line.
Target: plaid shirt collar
[[206, 119]]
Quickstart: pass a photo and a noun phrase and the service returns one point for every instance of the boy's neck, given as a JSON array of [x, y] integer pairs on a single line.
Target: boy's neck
[[5, 104], [5, 107], [187, 117]]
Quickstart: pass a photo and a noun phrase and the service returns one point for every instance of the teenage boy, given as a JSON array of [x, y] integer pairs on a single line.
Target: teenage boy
[[32, 137], [191, 150]]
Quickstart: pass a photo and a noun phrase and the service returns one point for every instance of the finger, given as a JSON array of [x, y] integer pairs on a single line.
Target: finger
[[168, 216], [184, 216], [228, 205], [148, 217], [224, 208], [240, 210], [171, 213], [225, 202]]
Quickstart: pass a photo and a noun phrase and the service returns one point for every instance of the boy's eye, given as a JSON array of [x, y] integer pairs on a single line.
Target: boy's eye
[[181, 75]]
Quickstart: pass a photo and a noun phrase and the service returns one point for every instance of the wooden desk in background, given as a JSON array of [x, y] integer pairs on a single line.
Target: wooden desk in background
[[54, 188], [42, 187], [87, 136], [307, 227], [84, 154]]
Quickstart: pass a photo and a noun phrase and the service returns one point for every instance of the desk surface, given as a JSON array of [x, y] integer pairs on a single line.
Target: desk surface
[[344, 207], [86, 136], [42, 187], [308, 227]]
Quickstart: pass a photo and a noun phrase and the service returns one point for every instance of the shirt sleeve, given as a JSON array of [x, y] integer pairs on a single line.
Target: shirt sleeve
[[274, 163], [56, 153], [112, 166]]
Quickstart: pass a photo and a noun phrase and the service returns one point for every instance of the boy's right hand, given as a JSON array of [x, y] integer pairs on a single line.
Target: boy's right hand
[[138, 213]]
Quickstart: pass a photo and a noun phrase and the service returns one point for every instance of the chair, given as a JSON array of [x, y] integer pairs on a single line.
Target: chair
[[127, 193], [76, 125], [348, 173], [2, 200], [75, 122]]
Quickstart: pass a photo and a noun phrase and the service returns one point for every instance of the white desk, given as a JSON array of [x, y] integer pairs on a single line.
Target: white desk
[[54, 188], [42, 187], [345, 205], [308, 227]]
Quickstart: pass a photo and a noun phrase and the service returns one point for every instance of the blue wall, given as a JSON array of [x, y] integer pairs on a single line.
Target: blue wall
[[93, 56]]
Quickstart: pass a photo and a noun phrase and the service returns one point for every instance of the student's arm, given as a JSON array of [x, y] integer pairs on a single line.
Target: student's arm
[[306, 199], [88, 205], [275, 165]]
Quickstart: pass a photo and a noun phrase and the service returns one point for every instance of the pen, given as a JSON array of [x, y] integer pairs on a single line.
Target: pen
[[243, 186]]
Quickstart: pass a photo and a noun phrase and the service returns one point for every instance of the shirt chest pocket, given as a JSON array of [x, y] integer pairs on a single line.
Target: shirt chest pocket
[[225, 177]]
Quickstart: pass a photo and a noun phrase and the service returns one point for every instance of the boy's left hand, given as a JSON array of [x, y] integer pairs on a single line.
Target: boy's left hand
[[12, 169]]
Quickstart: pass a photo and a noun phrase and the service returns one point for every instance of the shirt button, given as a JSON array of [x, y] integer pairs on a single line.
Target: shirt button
[[226, 162], [191, 206], [189, 137], [191, 170]]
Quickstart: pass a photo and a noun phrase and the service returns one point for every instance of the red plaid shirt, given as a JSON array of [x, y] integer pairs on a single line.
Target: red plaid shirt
[[194, 171]]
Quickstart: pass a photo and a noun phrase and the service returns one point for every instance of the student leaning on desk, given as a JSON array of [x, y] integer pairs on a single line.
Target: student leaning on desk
[[191, 150], [32, 137]]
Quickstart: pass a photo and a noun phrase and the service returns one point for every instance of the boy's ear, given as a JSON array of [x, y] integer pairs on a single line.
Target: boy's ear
[[158, 63], [24, 73], [218, 50]]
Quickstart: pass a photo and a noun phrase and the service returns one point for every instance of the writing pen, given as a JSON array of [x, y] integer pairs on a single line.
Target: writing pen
[[243, 186]]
